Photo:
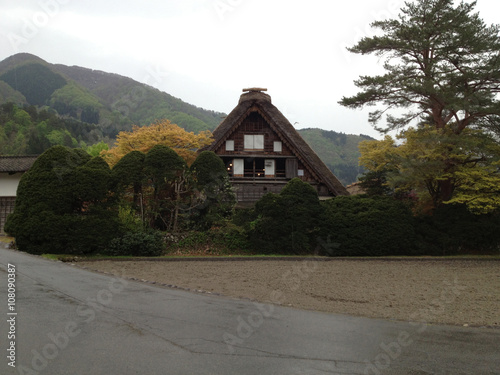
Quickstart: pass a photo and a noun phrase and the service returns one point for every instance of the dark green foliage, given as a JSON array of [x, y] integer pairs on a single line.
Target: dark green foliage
[[214, 241], [347, 173], [208, 168], [64, 205], [148, 243], [93, 182], [452, 229], [35, 81], [362, 226], [338, 151], [217, 199], [289, 222], [112, 101], [30, 131], [129, 173], [163, 163], [337, 138], [167, 177], [374, 183], [90, 115], [130, 168], [442, 67]]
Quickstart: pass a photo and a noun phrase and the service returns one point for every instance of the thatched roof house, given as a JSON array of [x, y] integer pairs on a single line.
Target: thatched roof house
[[263, 151]]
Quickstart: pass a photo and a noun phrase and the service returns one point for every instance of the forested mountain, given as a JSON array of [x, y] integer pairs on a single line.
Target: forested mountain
[[338, 151], [109, 100], [43, 104]]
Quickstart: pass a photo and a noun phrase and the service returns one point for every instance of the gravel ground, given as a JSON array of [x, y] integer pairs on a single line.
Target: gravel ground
[[458, 292]]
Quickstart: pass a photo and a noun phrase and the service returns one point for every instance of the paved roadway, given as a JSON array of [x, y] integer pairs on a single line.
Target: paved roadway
[[74, 322]]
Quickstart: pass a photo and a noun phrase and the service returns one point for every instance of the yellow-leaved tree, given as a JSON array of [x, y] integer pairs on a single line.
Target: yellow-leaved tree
[[162, 132], [425, 156]]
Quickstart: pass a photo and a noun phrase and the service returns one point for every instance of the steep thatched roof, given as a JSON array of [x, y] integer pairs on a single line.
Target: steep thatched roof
[[255, 100], [14, 164]]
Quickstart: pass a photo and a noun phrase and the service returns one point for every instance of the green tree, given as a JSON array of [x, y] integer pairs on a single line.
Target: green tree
[[216, 198], [97, 148], [129, 175], [443, 70], [169, 183], [289, 222], [64, 205], [368, 226], [426, 156], [443, 65]]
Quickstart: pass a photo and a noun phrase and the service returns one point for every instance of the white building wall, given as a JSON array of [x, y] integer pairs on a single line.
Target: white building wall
[[8, 184]]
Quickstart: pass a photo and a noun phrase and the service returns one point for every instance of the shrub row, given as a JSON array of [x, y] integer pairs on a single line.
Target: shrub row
[[295, 222]]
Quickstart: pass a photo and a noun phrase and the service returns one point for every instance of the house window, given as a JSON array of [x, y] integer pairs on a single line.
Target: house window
[[300, 173], [238, 167], [254, 142], [277, 146], [230, 145], [269, 167]]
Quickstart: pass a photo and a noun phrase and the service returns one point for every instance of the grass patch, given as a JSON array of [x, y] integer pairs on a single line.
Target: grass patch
[[6, 239]]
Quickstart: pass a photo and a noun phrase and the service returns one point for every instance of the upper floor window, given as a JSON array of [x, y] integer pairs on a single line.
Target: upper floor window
[[229, 145], [278, 147], [254, 142]]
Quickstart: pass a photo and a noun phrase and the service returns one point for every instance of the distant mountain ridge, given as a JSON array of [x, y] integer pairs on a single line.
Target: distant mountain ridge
[[338, 151], [94, 105], [110, 100]]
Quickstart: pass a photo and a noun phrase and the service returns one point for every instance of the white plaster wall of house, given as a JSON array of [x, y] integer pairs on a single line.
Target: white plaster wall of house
[[9, 183]]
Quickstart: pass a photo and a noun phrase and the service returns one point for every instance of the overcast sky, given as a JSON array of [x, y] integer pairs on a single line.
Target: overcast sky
[[206, 51]]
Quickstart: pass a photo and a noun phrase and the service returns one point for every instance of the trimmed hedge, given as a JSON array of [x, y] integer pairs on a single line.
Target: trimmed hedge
[[289, 222], [63, 205], [140, 243], [453, 230], [362, 226]]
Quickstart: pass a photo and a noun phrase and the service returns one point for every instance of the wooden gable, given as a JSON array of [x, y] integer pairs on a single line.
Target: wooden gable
[[253, 124], [260, 146]]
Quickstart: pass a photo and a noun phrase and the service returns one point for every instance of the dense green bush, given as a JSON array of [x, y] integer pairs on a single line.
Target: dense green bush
[[128, 175], [362, 226], [215, 241], [452, 229], [216, 198], [208, 168], [289, 222], [63, 205], [148, 243], [163, 164]]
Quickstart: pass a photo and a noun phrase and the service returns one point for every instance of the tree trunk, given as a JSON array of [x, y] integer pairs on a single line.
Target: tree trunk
[[444, 192]]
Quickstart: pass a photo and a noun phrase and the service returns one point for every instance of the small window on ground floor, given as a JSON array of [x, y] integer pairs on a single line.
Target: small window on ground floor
[[270, 167], [238, 167]]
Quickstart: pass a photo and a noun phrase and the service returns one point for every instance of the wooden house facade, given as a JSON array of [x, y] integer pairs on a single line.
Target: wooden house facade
[[263, 151]]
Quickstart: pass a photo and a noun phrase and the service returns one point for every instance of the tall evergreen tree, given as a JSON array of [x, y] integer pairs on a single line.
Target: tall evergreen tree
[[442, 70], [442, 65]]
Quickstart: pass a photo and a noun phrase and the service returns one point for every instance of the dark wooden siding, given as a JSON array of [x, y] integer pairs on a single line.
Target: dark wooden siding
[[254, 124], [6, 207]]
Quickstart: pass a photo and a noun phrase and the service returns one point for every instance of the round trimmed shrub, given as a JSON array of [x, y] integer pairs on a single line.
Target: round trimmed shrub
[[140, 243], [63, 205], [289, 222]]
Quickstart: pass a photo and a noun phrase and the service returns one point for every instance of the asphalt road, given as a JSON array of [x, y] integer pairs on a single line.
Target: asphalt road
[[73, 322]]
